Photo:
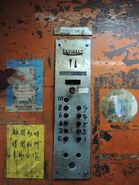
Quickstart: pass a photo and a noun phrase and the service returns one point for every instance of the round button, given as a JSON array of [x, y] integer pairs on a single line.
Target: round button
[[78, 124], [66, 107], [78, 139], [66, 115], [78, 155], [72, 90], [66, 131], [78, 131], [65, 139], [66, 123], [65, 155], [72, 165], [66, 99], [79, 107], [78, 116]]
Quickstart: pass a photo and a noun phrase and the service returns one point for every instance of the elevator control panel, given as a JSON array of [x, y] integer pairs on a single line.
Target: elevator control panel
[[72, 109]]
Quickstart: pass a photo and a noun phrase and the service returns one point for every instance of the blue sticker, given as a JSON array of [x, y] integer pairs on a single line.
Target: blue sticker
[[24, 93]]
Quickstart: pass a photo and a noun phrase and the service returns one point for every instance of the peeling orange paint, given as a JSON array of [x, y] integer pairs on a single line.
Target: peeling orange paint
[[26, 32]]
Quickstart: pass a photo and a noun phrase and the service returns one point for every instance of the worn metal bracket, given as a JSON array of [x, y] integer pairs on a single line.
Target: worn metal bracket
[[73, 31]]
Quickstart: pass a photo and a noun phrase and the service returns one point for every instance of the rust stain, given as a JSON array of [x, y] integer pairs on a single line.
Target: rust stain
[[4, 76], [19, 21], [131, 169], [105, 135], [38, 8], [40, 34], [101, 169], [115, 56], [49, 62]]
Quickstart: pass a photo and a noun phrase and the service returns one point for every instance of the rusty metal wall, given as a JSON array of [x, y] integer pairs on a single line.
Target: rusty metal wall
[[26, 32]]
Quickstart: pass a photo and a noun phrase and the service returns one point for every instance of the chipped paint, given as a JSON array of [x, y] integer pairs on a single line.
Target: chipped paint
[[4, 77], [105, 135], [26, 32], [101, 169]]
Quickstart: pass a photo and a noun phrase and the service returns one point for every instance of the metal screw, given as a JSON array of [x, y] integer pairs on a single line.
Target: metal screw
[[85, 172]]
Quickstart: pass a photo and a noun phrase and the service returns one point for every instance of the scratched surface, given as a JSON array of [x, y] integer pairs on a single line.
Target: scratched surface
[[26, 32]]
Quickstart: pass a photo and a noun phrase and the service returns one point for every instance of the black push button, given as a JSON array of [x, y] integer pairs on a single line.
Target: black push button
[[71, 165], [66, 107], [78, 124], [66, 115], [78, 139], [66, 100], [66, 131], [78, 116], [79, 107], [65, 139], [78, 155], [78, 131], [66, 123], [65, 155]]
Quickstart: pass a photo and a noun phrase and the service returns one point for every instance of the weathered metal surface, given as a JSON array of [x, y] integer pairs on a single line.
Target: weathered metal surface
[[26, 32], [72, 110], [72, 31]]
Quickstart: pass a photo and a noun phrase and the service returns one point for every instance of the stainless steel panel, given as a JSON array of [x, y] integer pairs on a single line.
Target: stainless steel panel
[[72, 110], [72, 31]]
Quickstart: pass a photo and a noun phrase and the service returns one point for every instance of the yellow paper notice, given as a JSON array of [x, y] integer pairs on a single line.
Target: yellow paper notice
[[25, 151]]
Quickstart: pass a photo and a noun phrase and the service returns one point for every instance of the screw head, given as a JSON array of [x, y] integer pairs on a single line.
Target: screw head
[[85, 172]]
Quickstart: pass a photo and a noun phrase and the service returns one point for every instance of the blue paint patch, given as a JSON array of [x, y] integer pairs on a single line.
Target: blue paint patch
[[24, 93]]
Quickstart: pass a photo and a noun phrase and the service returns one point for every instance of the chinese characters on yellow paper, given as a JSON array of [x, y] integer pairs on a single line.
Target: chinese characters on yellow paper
[[25, 151]]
